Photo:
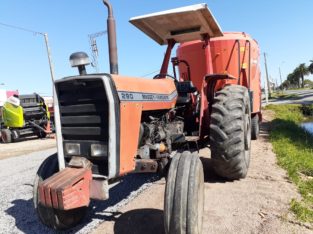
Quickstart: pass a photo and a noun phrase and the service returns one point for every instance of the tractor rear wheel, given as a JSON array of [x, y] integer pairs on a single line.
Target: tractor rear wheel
[[6, 135], [255, 127], [53, 218], [184, 195], [230, 132]]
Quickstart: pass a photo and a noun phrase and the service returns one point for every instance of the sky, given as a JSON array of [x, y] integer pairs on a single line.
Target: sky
[[283, 29]]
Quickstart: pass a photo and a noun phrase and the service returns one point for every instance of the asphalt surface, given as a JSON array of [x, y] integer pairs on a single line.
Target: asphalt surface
[[303, 97]]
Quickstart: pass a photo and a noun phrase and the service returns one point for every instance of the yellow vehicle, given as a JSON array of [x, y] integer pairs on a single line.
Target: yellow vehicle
[[23, 116]]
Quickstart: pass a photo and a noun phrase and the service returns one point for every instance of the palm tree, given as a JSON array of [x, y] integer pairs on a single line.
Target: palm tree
[[310, 67], [302, 70], [285, 85], [293, 79], [296, 76]]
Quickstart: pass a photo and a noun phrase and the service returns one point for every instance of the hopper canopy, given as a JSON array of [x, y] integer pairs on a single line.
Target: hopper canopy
[[181, 24]]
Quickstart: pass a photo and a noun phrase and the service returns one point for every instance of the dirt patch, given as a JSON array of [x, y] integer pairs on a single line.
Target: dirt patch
[[257, 204], [25, 146]]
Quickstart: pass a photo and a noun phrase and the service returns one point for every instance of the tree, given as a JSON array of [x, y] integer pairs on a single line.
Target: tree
[[297, 76], [293, 79], [308, 83], [302, 70], [311, 67], [285, 85]]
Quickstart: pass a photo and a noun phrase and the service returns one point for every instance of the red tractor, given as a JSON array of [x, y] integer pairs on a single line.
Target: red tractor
[[109, 125], [231, 85]]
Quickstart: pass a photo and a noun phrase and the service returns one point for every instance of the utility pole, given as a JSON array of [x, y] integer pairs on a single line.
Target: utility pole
[[49, 57], [56, 109], [94, 48], [266, 73], [281, 81], [266, 92]]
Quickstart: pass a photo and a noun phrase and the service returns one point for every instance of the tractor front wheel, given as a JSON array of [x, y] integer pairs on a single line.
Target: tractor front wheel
[[53, 218], [230, 132], [6, 135], [184, 195]]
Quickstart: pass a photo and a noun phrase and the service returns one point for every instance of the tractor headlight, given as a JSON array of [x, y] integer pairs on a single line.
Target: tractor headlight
[[72, 149], [98, 150]]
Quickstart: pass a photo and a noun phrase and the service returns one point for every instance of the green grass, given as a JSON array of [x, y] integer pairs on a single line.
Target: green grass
[[282, 95], [307, 110], [294, 149]]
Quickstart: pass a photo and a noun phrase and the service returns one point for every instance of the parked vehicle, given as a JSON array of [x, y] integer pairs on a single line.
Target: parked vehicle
[[22, 116]]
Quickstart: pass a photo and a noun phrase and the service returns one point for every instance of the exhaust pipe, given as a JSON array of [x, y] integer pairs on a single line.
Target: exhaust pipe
[[111, 38]]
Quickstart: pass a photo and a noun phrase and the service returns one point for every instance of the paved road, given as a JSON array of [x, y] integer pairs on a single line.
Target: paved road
[[303, 97]]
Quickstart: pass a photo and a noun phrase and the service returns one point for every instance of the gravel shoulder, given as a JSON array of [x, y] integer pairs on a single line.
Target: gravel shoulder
[[257, 204]]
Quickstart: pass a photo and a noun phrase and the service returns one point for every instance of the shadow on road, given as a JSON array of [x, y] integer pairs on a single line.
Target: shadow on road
[[140, 221], [25, 216], [209, 175], [264, 129], [24, 139]]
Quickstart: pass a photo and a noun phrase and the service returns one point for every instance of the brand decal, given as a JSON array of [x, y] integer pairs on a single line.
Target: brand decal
[[146, 97]]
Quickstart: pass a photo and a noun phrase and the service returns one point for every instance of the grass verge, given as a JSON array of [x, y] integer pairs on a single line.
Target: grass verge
[[294, 149], [282, 95]]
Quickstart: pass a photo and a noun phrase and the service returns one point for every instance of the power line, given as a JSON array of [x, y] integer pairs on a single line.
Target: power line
[[150, 73], [21, 28]]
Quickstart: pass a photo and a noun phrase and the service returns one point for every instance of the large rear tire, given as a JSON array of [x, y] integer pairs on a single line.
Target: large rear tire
[[6, 135], [230, 132], [53, 218], [255, 127], [184, 195]]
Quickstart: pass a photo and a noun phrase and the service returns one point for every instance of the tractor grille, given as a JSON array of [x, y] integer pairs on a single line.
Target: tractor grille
[[83, 110]]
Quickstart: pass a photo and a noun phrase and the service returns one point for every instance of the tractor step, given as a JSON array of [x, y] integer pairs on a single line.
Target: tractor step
[[67, 189]]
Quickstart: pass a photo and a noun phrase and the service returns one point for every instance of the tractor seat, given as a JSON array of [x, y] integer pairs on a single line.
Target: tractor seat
[[184, 89]]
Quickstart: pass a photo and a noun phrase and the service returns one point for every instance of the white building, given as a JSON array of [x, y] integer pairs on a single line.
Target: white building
[[3, 96]]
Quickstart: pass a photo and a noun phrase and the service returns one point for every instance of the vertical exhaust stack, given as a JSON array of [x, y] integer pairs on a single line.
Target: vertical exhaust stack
[[111, 38]]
